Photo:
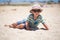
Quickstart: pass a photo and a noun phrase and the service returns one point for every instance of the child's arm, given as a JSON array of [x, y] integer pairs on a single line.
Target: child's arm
[[27, 26], [44, 24], [46, 27]]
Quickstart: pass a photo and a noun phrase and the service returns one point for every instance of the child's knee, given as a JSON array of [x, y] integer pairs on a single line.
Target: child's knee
[[14, 24], [21, 26]]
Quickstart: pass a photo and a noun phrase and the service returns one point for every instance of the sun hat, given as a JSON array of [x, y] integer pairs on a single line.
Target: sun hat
[[36, 6]]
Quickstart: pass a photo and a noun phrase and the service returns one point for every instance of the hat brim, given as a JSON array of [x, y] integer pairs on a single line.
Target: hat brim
[[35, 9]]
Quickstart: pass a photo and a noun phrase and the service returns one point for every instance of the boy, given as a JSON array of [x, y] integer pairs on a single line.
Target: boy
[[32, 21]]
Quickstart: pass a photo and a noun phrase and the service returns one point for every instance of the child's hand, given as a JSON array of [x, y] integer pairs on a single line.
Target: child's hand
[[43, 29], [46, 27]]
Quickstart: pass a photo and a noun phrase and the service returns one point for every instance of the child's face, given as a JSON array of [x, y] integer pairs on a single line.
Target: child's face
[[36, 12]]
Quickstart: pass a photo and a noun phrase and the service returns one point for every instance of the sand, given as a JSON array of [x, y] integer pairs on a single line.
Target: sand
[[11, 14]]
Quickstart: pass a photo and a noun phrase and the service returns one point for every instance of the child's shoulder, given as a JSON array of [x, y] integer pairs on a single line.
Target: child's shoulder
[[30, 14], [40, 16]]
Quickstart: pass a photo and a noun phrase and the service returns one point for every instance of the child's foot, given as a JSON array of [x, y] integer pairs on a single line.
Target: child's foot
[[8, 25]]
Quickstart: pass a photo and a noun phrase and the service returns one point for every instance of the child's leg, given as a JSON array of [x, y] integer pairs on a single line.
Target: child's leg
[[21, 26], [12, 25]]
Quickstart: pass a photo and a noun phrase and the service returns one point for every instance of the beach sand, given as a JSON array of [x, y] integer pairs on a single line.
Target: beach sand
[[11, 14]]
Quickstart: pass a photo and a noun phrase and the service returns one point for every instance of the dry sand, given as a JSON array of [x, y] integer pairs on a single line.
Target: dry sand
[[11, 14]]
